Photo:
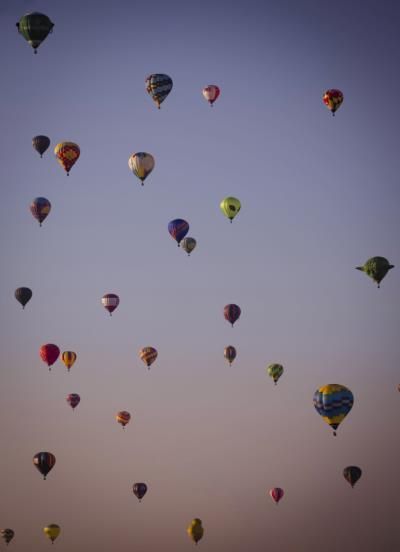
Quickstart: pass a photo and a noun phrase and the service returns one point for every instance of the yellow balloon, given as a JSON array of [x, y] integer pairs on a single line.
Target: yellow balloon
[[195, 530], [68, 358], [141, 164], [52, 531], [230, 206]]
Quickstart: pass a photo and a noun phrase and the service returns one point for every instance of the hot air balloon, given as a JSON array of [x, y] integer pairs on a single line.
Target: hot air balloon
[[178, 228], [333, 402], [276, 494], [352, 474], [67, 154], [52, 531], [34, 27], [333, 99], [44, 462], [123, 418], [230, 206], [139, 490], [230, 354], [110, 301], [195, 530], [68, 358], [232, 313], [40, 208], [188, 244], [158, 86], [148, 355], [49, 353], [275, 371], [376, 268], [40, 144], [73, 399], [141, 164], [211, 93], [23, 295], [7, 535]]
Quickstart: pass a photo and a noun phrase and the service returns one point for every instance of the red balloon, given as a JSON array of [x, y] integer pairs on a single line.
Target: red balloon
[[49, 353], [276, 494]]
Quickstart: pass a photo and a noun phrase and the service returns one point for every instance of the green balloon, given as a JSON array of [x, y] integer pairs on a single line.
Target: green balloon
[[376, 268], [34, 27], [275, 371]]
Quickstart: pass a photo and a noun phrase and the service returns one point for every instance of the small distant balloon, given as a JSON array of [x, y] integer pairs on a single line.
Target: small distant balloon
[[376, 268], [68, 358], [40, 208], [232, 313], [275, 371], [34, 27], [123, 418], [333, 99], [230, 207], [188, 244], [23, 295], [158, 86], [211, 93], [276, 494], [44, 462], [110, 302], [148, 355], [73, 399], [49, 354], [7, 535], [41, 144], [67, 154], [195, 530], [230, 354], [352, 474], [178, 228], [333, 402], [141, 164], [52, 531], [139, 490]]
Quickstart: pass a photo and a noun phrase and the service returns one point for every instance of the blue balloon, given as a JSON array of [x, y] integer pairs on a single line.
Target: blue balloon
[[178, 228]]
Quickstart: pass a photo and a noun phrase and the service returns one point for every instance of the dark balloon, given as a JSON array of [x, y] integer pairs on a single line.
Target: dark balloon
[[44, 462], [23, 295], [40, 208], [352, 474], [40, 144], [139, 490], [232, 313], [178, 228], [73, 399], [230, 354], [34, 27], [7, 535]]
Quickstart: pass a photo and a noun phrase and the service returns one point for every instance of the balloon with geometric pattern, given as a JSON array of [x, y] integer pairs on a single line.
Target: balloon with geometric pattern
[[40, 208], [333, 402], [34, 27], [123, 418], [67, 154], [148, 355], [158, 86], [333, 99]]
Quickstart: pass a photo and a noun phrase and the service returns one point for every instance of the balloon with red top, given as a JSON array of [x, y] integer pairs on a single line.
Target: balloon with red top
[[211, 93]]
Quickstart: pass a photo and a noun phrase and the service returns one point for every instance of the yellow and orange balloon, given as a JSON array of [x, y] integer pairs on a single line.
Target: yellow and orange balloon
[[67, 154]]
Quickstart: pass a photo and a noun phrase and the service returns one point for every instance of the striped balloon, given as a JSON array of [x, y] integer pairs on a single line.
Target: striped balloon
[[67, 154], [230, 354], [333, 402], [178, 228], [211, 93], [110, 301], [44, 462], [68, 358], [333, 99], [40, 208], [73, 399], [141, 164], [276, 494], [148, 355], [123, 418], [49, 353], [158, 86], [232, 313]]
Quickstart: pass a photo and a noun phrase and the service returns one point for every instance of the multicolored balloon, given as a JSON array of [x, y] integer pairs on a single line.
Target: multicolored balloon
[[232, 313], [376, 268], [52, 531], [67, 154], [178, 228], [7, 535], [230, 354], [34, 27], [68, 358], [141, 164], [139, 490], [275, 371], [44, 462], [23, 295], [230, 206], [211, 93], [195, 530], [333, 99], [188, 244], [158, 86], [333, 402], [352, 474], [40, 144], [123, 418], [110, 302], [49, 354], [276, 494], [40, 208], [148, 355], [73, 399]]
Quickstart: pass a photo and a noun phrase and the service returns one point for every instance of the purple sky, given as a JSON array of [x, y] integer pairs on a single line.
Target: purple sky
[[320, 195]]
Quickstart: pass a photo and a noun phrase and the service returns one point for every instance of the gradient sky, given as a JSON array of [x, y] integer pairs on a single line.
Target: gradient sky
[[320, 195]]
